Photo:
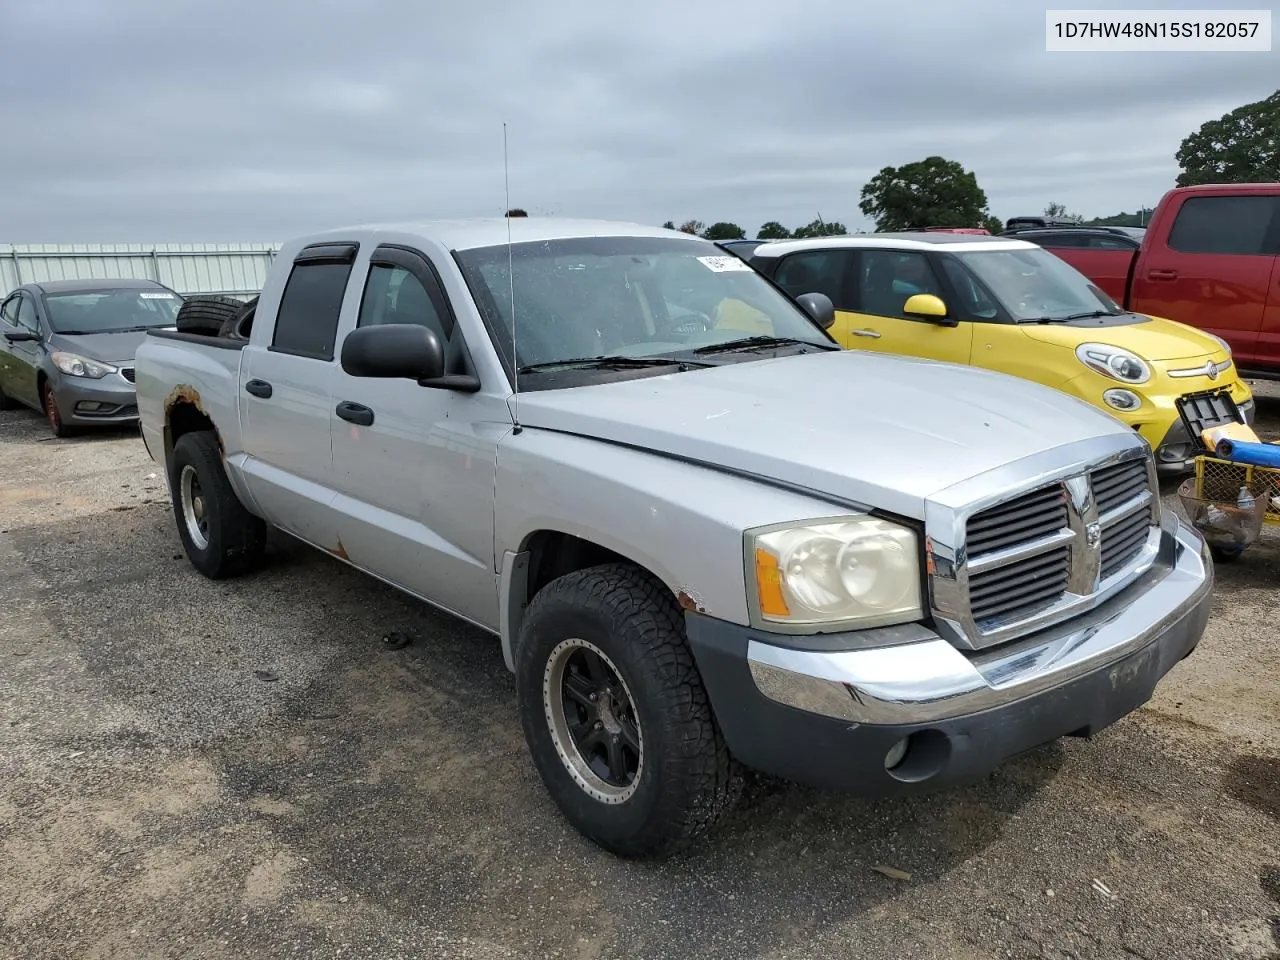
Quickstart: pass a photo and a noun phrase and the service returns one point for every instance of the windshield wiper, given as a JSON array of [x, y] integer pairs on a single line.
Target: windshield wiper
[[753, 343], [1087, 315], [610, 363]]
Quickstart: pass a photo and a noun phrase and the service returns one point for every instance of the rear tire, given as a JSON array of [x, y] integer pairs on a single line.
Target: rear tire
[[221, 538], [616, 716], [206, 314]]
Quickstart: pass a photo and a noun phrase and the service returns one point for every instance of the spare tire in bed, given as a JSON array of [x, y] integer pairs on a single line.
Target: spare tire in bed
[[206, 313], [238, 325]]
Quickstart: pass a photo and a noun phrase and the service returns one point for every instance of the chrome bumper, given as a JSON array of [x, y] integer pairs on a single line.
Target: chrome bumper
[[930, 680]]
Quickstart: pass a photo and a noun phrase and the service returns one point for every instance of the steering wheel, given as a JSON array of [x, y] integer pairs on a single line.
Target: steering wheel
[[686, 325]]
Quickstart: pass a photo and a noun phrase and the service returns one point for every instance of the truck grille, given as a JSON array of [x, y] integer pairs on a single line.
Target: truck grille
[[127, 373], [1123, 531], [1022, 587], [1036, 558]]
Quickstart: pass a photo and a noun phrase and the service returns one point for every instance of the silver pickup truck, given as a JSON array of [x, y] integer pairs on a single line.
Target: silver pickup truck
[[706, 537]]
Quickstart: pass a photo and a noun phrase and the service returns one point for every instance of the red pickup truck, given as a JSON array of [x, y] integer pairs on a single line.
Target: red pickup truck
[[1210, 257]]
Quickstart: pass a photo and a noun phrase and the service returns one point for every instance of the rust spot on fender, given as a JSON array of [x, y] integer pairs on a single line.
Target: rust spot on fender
[[340, 551], [690, 601], [183, 393]]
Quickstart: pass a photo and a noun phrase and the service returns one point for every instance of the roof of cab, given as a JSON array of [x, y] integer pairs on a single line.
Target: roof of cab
[[958, 242], [469, 234]]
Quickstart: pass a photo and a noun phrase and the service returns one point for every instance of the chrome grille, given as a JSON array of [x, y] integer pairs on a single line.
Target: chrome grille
[[1027, 584], [1002, 568], [1124, 499], [127, 373]]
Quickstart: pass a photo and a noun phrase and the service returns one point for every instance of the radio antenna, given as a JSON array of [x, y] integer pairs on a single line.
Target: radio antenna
[[511, 283]]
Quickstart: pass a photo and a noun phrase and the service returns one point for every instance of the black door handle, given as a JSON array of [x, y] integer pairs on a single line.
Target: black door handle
[[259, 388], [355, 413]]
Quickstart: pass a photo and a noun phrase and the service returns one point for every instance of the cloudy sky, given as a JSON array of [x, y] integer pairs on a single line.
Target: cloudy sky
[[173, 120]]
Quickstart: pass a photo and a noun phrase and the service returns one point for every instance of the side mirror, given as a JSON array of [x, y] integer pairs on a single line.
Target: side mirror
[[925, 306], [22, 336], [396, 350], [819, 308]]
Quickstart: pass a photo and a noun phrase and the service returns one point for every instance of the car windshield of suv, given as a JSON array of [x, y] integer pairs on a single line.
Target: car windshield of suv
[[1036, 286], [633, 297], [111, 311]]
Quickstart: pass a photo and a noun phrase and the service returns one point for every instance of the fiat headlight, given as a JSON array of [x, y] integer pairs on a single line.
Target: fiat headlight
[[1114, 362], [76, 366], [845, 573]]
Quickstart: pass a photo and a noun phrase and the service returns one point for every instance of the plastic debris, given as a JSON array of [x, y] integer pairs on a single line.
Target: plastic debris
[[266, 676], [893, 873]]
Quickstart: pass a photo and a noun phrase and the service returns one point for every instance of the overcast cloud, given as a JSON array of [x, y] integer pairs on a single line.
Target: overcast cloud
[[174, 120]]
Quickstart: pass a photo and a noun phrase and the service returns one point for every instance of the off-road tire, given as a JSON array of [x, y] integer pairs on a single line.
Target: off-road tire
[[231, 326], [687, 779], [235, 538], [206, 314]]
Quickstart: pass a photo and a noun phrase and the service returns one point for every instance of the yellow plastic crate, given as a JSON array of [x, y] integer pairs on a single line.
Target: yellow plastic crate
[[1221, 480]]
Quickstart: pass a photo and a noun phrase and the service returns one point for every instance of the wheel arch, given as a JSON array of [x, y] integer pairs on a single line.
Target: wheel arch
[[547, 554]]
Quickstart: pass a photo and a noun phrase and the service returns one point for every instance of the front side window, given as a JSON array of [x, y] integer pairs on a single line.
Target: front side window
[[889, 278], [393, 294], [1231, 225], [307, 321], [625, 296], [9, 312], [27, 318], [108, 311], [1034, 285]]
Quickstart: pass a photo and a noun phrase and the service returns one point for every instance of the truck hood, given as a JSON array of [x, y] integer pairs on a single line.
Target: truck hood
[[1152, 338], [879, 430], [113, 348]]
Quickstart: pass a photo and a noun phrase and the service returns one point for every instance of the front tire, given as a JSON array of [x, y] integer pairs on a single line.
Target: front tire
[[221, 538], [616, 716], [51, 412]]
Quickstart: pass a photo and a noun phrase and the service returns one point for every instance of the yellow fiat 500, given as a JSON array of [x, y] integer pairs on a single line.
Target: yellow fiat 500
[[1011, 306]]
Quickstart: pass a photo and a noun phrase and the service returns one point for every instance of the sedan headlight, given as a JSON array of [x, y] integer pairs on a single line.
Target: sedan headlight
[[76, 366], [1114, 362], [843, 573]]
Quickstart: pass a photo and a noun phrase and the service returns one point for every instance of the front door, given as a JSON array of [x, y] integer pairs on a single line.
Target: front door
[[886, 280], [20, 360], [415, 466], [287, 400], [1215, 269]]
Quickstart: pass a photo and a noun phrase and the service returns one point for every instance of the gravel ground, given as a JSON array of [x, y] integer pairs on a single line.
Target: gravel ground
[[201, 770]]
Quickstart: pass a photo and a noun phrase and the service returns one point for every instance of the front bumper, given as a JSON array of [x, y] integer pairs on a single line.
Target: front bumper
[[84, 402], [1176, 451], [830, 717]]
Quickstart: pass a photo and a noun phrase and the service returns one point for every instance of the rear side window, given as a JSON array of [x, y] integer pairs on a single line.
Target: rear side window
[[1234, 225], [307, 321], [818, 271]]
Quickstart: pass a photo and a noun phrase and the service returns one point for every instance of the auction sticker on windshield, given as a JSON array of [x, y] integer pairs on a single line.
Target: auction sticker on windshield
[[725, 264], [157, 296]]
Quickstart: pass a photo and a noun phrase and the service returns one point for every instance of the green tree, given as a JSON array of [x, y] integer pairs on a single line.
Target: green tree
[[1059, 212], [693, 226], [932, 192], [773, 230], [820, 228], [669, 225], [1242, 146], [993, 224], [724, 231]]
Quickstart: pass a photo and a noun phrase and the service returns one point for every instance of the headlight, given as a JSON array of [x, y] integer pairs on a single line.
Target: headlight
[[76, 366], [1114, 362], [851, 572]]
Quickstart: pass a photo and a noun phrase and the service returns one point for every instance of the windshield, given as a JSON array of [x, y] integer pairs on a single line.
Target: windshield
[[109, 311], [625, 297], [1034, 285]]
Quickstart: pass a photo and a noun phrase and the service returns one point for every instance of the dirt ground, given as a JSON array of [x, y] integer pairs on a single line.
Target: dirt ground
[[200, 770]]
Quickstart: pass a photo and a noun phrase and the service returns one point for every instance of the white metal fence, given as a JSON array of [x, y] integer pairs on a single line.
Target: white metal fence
[[234, 269]]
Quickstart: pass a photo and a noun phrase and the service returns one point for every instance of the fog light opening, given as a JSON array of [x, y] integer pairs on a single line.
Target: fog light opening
[[1122, 400], [922, 755]]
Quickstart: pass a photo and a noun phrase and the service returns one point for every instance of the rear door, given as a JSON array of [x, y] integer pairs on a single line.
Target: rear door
[[414, 466], [1269, 335], [287, 396], [1214, 270]]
